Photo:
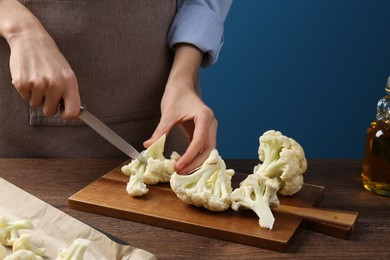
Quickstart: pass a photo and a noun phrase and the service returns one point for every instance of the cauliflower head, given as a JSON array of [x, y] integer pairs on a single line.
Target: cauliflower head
[[209, 186], [281, 158], [150, 168]]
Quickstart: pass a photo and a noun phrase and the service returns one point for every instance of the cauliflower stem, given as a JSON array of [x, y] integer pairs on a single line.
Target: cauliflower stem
[[257, 193], [75, 251]]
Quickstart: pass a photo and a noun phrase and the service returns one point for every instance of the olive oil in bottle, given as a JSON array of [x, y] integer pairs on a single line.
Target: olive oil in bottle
[[376, 163]]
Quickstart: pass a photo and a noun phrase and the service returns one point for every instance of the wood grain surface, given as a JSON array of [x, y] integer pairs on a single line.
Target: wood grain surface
[[55, 180]]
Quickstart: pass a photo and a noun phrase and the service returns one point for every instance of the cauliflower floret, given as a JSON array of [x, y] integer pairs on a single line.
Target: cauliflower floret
[[75, 251], [136, 185], [282, 158], [3, 251], [160, 170], [24, 243], [209, 186], [258, 193], [280, 171], [150, 168], [9, 230]]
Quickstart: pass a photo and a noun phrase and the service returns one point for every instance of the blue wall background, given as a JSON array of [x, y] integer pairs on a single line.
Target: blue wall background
[[313, 70]]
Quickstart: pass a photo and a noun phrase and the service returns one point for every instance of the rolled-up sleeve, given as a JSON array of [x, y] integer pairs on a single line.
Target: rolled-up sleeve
[[201, 23]]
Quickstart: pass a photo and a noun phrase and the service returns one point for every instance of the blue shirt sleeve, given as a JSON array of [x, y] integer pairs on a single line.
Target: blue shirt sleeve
[[200, 22]]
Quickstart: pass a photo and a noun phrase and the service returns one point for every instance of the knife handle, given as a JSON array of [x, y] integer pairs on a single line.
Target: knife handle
[[62, 105]]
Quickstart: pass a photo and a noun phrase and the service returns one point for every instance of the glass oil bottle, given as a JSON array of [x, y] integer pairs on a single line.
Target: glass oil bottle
[[376, 163]]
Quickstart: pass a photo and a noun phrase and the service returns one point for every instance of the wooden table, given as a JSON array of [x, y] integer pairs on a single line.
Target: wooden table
[[54, 180]]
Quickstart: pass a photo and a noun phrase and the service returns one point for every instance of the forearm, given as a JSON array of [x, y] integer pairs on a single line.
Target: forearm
[[39, 71], [185, 67], [15, 19]]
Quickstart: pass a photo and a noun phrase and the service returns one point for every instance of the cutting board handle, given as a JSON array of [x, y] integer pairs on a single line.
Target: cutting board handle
[[323, 218]]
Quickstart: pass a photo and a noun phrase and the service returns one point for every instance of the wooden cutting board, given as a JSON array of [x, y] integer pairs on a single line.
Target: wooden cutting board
[[160, 207]]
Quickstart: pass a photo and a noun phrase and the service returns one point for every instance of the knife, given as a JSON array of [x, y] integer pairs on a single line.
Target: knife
[[107, 133]]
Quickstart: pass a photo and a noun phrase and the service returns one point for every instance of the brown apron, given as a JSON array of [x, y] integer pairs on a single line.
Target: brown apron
[[118, 50]]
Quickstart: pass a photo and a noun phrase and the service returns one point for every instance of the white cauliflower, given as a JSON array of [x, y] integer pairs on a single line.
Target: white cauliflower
[[24, 243], [23, 255], [282, 164], [282, 158], [150, 168], [9, 230], [209, 186], [136, 185], [75, 251], [257, 193]]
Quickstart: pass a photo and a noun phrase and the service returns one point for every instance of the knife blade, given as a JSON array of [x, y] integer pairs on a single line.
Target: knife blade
[[107, 133]]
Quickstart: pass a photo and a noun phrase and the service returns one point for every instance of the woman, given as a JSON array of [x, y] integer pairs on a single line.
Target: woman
[[126, 73]]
